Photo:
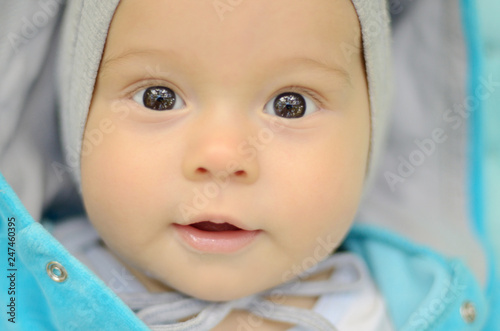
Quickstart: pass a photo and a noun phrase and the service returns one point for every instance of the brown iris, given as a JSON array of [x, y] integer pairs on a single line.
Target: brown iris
[[290, 105], [159, 98]]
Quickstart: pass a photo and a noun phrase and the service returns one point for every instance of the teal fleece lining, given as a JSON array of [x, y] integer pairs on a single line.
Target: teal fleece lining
[[477, 155], [490, 27], [471, 30]]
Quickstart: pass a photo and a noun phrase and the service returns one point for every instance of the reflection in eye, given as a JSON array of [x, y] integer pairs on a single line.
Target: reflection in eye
[[158, 98], [290, 105]]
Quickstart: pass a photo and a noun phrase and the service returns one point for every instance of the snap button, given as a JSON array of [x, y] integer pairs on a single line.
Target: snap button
[[56, 272], [468, 312]]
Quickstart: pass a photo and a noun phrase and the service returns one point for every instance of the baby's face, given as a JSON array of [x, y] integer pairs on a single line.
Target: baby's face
[[239, 140]]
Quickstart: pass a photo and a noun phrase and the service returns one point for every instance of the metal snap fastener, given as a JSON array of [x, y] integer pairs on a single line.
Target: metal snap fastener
[[468, 312], [56, 272]]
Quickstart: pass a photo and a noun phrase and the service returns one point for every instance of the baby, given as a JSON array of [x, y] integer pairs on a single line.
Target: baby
[[226, 148]]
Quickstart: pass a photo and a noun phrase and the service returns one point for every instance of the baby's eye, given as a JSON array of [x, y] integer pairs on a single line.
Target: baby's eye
[[158, 98], [290, 105]]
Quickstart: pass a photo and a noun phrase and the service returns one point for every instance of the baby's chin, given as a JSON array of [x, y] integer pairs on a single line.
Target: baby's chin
[[211, 284], [218, 289]]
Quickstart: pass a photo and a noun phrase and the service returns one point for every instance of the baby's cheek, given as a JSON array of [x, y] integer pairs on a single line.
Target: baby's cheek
[[121, 192]]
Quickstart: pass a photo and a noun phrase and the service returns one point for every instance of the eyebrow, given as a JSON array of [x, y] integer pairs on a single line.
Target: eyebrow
[[296, 61], [322, 66], [107, 63]]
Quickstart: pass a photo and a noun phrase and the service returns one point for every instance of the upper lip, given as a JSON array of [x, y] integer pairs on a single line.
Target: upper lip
[[218, 219]]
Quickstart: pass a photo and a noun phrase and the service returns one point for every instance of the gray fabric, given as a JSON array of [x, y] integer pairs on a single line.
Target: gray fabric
[[162, 308], [29, 141], [375, 27], [430, 206], [85, 29]]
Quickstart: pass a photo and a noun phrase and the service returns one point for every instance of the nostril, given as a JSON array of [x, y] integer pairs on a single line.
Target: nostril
[[201, 170], [238, 173]]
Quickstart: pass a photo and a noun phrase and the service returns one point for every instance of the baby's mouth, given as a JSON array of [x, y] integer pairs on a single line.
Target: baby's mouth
[[215, 238], [214, 227]]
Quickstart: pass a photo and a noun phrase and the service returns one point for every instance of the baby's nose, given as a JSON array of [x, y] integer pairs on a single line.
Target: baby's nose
[[220, 149]]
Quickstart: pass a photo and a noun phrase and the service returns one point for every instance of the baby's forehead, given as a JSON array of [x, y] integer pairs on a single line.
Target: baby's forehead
[[247, 19], [255, 33], [250, 14]]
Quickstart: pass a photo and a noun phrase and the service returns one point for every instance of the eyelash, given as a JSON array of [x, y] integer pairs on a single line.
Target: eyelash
[[129, 93], [301, 90]]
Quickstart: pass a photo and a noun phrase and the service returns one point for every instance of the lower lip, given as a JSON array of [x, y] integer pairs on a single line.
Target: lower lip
[[215, 242]]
